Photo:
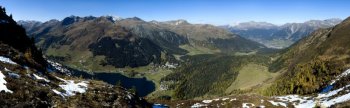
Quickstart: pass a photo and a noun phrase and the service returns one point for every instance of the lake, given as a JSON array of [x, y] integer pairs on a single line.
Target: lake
[[142, 85]]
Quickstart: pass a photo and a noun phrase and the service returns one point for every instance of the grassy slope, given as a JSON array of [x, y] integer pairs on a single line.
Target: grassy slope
[[81, 60], [251, 75]]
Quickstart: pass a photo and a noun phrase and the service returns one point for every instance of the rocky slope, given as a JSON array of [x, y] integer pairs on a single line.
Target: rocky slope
[[27, 80]]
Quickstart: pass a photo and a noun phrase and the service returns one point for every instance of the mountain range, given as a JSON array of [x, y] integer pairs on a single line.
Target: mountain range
[[282, 36], [110, 61], [27, 79], [130, 42], [317, 58], [313, 72]]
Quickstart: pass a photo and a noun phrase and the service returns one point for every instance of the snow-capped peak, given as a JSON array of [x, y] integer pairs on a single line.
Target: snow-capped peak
[[117, 18], [180, 22]]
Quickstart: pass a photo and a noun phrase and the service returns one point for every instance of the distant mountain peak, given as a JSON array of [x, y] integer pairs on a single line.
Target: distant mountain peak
[[155, 22], [109, 18], [117, 18], [72, 19], [254, 25], [113, 17], [177, 22], [333, 19], [134, 18], [29, 21], [181, 21], [69, 20]]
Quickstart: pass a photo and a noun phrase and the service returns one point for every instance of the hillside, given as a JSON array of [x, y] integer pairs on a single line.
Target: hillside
[[105, 43], [174, 54], [28, 80], [311, 63], [314, 72], [209, 75], [206, 35], [12, 34]]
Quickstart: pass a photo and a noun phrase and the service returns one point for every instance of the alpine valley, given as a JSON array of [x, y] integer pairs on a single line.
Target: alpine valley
[[275, 36], [108, 61]]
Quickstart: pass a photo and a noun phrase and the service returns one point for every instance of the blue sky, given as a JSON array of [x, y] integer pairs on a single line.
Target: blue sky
[[217, 12]]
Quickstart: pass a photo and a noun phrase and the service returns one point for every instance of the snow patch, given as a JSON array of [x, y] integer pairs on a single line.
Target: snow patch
[[216, 99], [292, 98], [278, 103], [117, 18], [207, 101], [198, 105], [7, 60], [61, 79], [58, 67], [340, 76], [3, 83], [14, 75], [223, 99], [170, 65], [323, 99], [339, 99], [57, 92], [247, 105], [129, 96], [71, 87], [40, 78], [7, 69], [297, 101], [331, 93]]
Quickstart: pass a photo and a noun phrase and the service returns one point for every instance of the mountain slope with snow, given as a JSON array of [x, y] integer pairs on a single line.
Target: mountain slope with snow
[[26, 80]]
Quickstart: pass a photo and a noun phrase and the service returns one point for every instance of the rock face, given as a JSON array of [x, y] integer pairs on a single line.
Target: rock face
[[129, 42]]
